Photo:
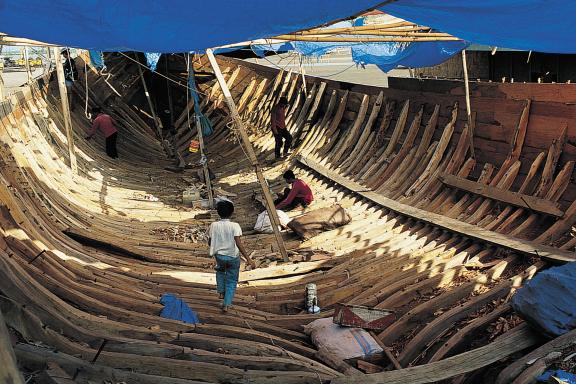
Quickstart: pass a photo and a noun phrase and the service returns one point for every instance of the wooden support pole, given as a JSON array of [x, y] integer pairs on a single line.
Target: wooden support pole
[[471, 122], [65, 109], [1, 78], [302, 73], [204, 160], [170, 101], [27, 65], [157, 123], [250, 153], [203, 157], [9, 372]]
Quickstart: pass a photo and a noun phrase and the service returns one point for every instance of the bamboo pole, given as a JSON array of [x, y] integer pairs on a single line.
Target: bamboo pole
[[379, 32], [361, 27], [358, 39], [65, 109], [157, 123], [468, 108], [270, 207], [365, 28], [18, 41]]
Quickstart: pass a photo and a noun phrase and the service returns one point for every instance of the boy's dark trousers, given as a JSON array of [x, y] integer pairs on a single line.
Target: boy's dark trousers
[[111, 145], [282, 137]]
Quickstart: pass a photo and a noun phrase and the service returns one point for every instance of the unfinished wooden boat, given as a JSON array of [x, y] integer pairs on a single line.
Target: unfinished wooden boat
[[439, 237]]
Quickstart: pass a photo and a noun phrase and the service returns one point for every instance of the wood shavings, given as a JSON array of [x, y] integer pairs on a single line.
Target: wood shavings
[[503, 325], [144, 196], [182, 233]]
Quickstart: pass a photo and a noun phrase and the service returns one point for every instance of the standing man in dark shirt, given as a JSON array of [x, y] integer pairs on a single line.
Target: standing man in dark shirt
[[278, 126], [103, 123], [70, 75]]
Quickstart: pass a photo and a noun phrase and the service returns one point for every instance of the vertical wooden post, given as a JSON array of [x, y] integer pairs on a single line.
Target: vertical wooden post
[[303, 75], [1, 78], [27, 65], [170, 101], [205, 163], [201, 141], [272, 214], [471, 123], [157, 123], [47, 66], [65, 108]]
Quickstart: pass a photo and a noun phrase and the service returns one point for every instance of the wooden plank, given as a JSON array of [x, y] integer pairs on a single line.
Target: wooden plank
[[54, 374], [65, 110], [557, 344], [252, 156], [511, 342], [533, 203], [9, 372], [387, 351], [522, 246]]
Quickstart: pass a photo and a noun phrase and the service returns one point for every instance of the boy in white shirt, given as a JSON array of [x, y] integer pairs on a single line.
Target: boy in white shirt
[[224, 238]]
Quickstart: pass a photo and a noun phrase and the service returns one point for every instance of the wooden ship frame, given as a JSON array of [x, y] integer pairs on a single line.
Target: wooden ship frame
[[442, 237]]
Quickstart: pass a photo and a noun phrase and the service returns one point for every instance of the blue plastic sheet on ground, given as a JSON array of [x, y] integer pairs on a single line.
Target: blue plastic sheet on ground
[[177, 309], [152, 59], [97, 59], [548, 301], [567, 377]]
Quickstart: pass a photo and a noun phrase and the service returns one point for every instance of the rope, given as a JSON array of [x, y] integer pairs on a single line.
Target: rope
[[159, 74]]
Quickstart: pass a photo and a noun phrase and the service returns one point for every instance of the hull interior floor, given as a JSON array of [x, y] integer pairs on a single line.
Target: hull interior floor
[[441, 238]]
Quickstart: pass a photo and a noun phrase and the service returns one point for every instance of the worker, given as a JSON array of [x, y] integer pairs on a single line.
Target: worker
[[103, 123], [299, 195], [70, 75], [278, 126], [225, 241]]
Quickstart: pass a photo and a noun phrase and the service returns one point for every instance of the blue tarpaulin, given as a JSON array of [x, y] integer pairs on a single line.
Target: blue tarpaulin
[[97, 59], [177, 309], [567, 377], [537, 25], [207, 129], [549, 300], [155, 26], [152, 59], [165, 26], [388, 56]]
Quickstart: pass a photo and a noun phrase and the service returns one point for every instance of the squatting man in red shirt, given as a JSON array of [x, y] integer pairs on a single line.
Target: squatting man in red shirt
[[103, 123], [299, 194]]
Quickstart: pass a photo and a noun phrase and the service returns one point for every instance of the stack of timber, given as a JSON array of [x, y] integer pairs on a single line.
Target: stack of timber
[[442, 239]]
